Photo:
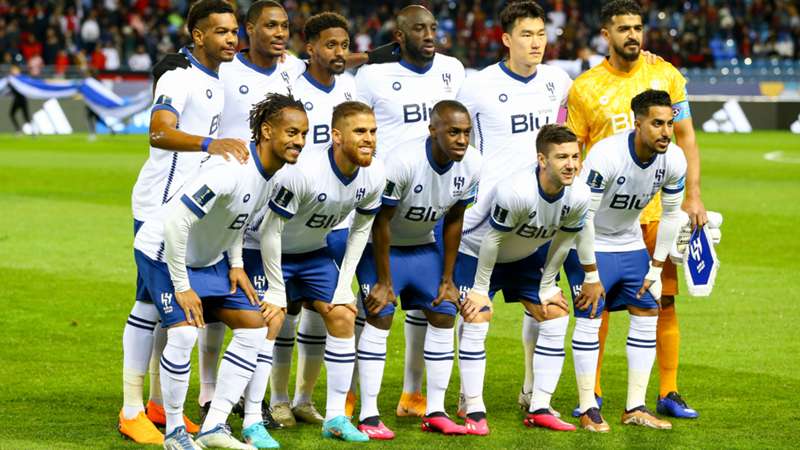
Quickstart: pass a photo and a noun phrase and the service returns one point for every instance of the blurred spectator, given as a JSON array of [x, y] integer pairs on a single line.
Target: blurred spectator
[[112, 56], [90, 32], [140, 61]]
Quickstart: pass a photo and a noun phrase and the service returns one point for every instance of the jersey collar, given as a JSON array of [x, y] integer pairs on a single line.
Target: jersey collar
[[197, 64], [415, 68], [513, 75], [317, 84], [607, 65], [632, 150], [264, 70], [547, 197], [257, 161], [441, 170], [342, 177]]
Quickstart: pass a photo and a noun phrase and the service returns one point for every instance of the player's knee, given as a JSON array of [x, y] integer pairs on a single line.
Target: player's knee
[[440, 320], [381, 323], [340, 322]]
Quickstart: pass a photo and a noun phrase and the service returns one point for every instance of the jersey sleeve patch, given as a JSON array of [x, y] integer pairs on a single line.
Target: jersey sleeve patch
[[203, 195], [192, 206], [595, 181], [499, 219]]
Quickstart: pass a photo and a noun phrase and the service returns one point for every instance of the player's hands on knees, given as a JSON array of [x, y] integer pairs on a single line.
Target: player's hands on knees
[[473, 304], [240, 279], [192, 306], [694, 207], [448, 292], [228, 147], [379, 296], [652, 284], [553, 300], [271, 311], [590, 297]]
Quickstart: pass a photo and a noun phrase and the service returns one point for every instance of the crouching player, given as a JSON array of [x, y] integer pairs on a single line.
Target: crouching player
[[504, 247], [624, 172], [182, 259], [427, 178], [310, 199]]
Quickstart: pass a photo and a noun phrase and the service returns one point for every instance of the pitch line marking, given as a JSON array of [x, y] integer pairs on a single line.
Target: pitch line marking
[[781, 157]]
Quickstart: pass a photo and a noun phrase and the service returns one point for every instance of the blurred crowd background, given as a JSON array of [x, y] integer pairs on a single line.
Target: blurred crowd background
[[69, 38]]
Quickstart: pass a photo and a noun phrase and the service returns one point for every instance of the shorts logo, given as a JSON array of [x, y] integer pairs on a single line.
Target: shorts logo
[[243, 89], [348, 96], [209, 94], [203, 195], [322, 197], [166, 301], [594, 180], [500, 214], [283, 197], [164, 100], [360, 194], [365, 288], [389, 190], [418, 189], [308, 106], [397, 86], [503, 98], [260, 283], [246, 198]]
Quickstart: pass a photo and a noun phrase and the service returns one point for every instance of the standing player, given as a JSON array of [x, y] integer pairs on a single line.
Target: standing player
[[190, 258], [195, 96], [431, 178], [509, 102], [625, 172], [507, 250], [309, 201], [599, 106], [402, 95], [320, 88]]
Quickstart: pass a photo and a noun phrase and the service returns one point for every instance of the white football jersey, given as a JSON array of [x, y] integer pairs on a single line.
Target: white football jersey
[[422, 191], [225, 195], [196, 96], [402, 95], [316, 196], [519, 207], [507, 112], [628, 184], [247, 84], [319, 101]]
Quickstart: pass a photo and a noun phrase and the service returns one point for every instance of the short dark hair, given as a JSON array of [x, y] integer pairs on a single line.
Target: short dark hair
[[268, 109], [641, 103], [205, 8], [318, 23], [254, 12], [452, 105], [347, 109], [553, 133], [519, 10], [618, 8]]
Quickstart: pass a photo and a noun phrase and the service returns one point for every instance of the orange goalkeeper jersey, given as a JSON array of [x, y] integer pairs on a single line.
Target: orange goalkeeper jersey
[[599, 104]]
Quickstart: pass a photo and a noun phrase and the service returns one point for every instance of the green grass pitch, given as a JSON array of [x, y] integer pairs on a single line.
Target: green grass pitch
[[66, 287]]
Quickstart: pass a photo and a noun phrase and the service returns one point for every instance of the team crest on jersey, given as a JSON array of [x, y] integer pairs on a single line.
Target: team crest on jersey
[[203, 195], [447, 79], [348, 96], [360, 194], [283, 197], [243, 89], [166, 302], [389, 189], [458, 185], [565, 210], [500, 214], [551, 90], [285, 77]]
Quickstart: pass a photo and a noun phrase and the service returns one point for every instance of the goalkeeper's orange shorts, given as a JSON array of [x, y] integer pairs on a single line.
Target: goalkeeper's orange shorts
[[669, 276]]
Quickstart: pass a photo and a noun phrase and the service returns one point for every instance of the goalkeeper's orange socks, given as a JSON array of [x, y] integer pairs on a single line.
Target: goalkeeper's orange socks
[[602, 335], [667, 348]]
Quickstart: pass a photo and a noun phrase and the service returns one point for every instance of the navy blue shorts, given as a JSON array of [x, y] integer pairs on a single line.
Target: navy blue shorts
[[211, 284], [337, 244], [416, 272], [308, 276], [519, 280], [575, 274]]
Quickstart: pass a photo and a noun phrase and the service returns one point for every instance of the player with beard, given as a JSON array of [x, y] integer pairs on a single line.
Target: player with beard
[[402, 95], [195, 98], [599, 107], [310, 199]]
